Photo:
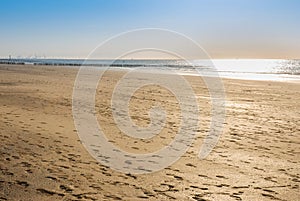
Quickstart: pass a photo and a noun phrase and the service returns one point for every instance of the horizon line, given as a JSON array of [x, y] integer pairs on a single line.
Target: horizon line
[[82, 58]]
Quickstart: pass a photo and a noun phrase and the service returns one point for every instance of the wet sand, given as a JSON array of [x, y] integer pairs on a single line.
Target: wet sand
[[42, 158]]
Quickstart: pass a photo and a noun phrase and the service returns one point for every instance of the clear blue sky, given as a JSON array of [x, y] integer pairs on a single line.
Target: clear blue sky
[[224, 28]]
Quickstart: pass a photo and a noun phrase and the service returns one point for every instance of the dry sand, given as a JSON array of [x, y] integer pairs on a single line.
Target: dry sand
[[41, 157]]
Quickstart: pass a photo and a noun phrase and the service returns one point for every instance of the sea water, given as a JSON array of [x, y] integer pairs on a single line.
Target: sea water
[[251, 69]]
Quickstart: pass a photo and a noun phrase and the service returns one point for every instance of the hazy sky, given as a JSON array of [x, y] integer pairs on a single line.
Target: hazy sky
[[224, 28]]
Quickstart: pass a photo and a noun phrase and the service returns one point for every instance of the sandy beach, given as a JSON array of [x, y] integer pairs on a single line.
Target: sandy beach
[[41, 157]]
